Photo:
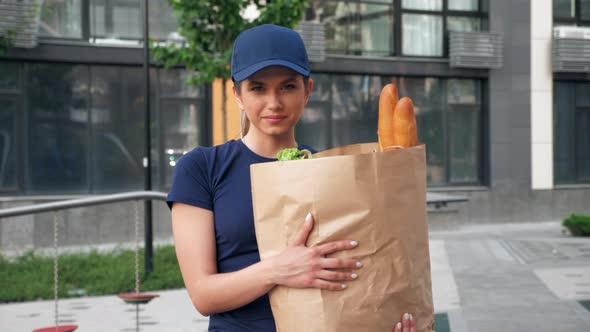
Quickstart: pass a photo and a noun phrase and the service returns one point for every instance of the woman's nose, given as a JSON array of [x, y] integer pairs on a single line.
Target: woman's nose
[[274, 100]]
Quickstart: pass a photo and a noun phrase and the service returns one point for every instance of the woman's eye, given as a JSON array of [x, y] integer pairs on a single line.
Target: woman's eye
[[256, 88], [290, 86]]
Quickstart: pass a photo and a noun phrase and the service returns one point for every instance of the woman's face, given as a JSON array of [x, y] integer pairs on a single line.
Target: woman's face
[[273, 99]]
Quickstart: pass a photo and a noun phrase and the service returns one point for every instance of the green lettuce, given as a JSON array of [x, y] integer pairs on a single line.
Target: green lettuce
[[293, 154]]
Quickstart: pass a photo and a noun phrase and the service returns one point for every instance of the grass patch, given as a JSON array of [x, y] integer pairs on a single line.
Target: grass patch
[[577, 224], [30, 277]]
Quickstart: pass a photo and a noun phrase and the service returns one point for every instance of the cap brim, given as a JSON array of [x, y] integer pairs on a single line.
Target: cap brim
[[249, 71]]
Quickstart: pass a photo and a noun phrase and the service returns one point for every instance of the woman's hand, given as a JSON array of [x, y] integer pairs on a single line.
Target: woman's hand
[[301, 267], [406, 324]]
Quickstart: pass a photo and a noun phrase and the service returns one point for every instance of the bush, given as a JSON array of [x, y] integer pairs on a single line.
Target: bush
[[577, 224]]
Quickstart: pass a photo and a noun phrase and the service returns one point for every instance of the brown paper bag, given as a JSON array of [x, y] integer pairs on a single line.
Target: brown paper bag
[[377, 198]]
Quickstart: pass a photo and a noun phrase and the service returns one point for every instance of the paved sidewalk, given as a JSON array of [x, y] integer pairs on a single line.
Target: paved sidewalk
[[509, 278]]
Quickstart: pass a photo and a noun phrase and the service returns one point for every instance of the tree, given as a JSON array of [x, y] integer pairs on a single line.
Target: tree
[[210, 28]]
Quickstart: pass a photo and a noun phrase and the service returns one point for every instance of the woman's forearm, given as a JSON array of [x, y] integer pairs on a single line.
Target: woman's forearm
[[226, 291]]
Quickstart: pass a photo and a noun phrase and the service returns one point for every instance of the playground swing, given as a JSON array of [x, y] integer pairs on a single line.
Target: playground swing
[[57, 327], [137, 298]]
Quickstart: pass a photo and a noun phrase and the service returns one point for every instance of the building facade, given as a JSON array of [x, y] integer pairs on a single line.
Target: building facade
[[514, 139]]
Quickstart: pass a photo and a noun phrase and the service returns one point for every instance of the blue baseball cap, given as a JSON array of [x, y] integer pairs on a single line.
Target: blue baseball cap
[[268, 45]]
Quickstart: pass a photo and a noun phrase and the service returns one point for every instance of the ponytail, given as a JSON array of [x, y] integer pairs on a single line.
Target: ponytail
[[244, 124]]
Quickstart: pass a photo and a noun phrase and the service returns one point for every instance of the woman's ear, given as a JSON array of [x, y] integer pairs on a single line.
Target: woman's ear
[[308, 91], [238, 98]]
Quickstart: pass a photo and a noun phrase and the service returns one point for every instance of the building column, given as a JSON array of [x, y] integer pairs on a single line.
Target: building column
[[541, 95]]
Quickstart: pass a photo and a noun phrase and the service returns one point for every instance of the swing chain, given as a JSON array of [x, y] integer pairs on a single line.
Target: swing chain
[[55, 265], [136, 247]]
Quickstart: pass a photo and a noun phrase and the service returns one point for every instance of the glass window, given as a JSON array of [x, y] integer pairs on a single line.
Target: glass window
[[463, 99], [61, 19], [314, 127], [564, 8], [57, 128], [116, 19], [180, 133], [571, 106], [179, 113], [376, 29], [423, 4], [117, 117], [8, 76], [427, 95], [585, 9], [162, 20], [354, 108], [422, 35], [173, 84], [7, 143], [355, 28], [463, 24], [466, 5]]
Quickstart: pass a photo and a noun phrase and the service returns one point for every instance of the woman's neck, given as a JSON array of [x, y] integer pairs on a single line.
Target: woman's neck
[[268, 146]]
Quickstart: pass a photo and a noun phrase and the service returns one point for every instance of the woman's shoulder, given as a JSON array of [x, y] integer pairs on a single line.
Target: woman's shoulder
[[205, 156]]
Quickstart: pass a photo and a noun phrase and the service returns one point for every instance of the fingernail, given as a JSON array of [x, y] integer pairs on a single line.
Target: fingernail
[[308, 217], [343, 286], [398, 326], [354, 276], [411, 317], [354, 243], [359, 264], [406, 316]]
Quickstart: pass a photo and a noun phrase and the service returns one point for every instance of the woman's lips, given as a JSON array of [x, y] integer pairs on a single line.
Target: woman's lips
[[274, 118]]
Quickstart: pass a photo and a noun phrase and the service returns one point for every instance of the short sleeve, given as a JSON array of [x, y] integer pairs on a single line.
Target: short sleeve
[[190, 183]]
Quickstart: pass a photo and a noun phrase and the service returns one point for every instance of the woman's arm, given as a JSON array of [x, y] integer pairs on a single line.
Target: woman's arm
[[212, 292]]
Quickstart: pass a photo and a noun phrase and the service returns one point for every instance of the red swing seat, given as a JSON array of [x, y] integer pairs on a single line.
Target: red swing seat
[[60, 328]]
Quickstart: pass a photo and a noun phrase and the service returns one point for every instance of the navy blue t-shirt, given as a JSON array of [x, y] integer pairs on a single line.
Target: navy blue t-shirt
[[218, 179]]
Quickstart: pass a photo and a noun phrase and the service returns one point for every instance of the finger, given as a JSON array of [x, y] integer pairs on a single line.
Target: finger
[[328, 285], [406, 323], [397, 327], [340, 263], [336, 276], [332, 247], [412, 324], [300, 238]]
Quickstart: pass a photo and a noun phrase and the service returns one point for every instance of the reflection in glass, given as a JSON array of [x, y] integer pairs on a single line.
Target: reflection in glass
[[116, 20], [313, 128], [463, 24], [466, 5], [376, 29], [422, 4], [353, 28], [7, 143], [426, 93], [585, 9], [463, 99], [173, 84], [61, 19], [163, 24], [57, 121], [117, 117], [180, 133], [564, 8], [422, 35], [8, 75], [354, 109]]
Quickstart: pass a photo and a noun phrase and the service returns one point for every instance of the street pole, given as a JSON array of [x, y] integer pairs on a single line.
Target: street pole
[[148, 143]]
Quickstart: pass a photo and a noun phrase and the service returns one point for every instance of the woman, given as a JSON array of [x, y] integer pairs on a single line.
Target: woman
[[211, 202]]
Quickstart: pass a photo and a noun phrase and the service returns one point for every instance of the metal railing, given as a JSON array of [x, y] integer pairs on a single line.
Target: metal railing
[[92, 201]]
